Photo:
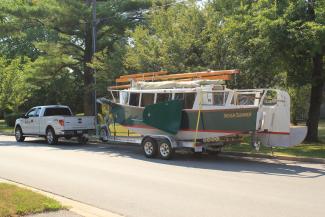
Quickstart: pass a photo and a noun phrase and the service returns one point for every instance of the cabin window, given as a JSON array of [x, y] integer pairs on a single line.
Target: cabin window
[[163, 97], [270, 98], [188, 99], [134, 99], [246, 99], [114, 96], [220, 98], [124, 98], [147, 99]]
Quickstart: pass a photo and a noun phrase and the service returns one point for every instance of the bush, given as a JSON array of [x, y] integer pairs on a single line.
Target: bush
[[10, 119]]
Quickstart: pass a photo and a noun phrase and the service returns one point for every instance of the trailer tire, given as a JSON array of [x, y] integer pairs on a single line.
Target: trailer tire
[[150, 147], [51, 138], [104, 134], [165, 149]]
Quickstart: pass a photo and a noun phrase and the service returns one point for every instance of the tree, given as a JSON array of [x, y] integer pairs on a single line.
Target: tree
[[13, 87], [67, 25], [170, 40]]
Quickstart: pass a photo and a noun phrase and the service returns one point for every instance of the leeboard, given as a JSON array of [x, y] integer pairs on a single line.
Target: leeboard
[[166, 116]]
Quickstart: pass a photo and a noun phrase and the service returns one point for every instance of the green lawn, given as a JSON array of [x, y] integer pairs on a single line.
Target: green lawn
[[4, 128], [15, 201], [302, 150]]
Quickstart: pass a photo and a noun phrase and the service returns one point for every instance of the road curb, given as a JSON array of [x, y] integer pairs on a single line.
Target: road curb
[[77, 207], [301, 159]]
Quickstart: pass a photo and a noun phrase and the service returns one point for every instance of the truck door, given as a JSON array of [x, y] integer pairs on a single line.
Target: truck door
[[27, 124], [35, 125]]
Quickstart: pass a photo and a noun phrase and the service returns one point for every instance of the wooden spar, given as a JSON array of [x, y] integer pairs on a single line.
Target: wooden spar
[[146, 74], [125, 86], [191, 75], [217, 77]]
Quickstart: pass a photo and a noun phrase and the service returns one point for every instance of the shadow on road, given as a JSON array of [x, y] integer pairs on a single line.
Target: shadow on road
[[203, 161]]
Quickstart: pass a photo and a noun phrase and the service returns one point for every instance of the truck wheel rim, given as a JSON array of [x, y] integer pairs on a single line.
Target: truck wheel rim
[[148, 148], [18, 134], [164, 149], [49, 136]]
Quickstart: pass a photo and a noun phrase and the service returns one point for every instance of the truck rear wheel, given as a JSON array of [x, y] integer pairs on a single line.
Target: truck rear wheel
[[150, 147], [51, 138], [165, 149], [82, 140], [19, 134]]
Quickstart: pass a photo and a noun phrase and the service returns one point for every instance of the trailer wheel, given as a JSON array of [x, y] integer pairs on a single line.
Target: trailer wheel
[[149, 147], [166, 150], [104, 134], [51, 138]]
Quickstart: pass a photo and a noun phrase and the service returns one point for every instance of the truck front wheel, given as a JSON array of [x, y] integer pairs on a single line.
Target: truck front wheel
[[19, 134], [51, 138]]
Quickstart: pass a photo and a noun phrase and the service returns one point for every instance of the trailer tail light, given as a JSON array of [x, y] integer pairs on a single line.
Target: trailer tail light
[[61, 122]]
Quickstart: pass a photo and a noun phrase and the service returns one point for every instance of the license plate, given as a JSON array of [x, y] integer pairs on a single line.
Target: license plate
[[79, 131]]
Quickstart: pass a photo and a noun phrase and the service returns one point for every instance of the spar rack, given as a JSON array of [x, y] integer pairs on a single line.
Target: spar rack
[[124, 81]]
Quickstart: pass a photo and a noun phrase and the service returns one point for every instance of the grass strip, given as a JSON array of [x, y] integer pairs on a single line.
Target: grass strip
[[16, 201]]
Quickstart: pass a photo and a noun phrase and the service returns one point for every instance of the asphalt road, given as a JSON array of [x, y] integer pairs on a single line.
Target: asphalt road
[[120, 179]]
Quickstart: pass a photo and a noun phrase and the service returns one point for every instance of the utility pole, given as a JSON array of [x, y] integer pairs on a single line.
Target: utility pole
[[94, 24]]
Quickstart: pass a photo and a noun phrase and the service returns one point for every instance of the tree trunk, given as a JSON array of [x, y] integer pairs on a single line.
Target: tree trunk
[[88, 75], [315, 99]]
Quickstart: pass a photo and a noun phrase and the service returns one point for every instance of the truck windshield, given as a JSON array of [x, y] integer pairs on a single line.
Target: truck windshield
[[57, 111]]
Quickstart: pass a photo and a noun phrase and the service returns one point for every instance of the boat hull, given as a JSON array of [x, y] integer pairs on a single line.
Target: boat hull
[[212, 123]]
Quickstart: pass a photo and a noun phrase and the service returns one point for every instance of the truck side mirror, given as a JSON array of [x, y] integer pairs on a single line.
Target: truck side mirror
[[24, 116]]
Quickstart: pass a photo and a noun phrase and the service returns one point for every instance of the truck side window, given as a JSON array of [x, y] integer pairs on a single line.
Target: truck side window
[[134, 99], [37, 112], [31, 113], [147, 99]]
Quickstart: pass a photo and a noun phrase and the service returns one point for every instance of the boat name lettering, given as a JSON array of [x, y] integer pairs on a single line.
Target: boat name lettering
[[237, 115]]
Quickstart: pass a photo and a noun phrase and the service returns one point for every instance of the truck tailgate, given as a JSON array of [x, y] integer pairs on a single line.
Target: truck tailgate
[[79, 123]]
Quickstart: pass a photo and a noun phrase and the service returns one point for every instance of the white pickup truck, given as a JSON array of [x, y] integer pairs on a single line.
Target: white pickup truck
[[52, 122]]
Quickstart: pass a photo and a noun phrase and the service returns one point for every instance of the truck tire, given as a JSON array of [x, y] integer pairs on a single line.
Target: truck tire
[[19, 134], [82, 140], [51, 138], [150, 147], [165, 149]]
